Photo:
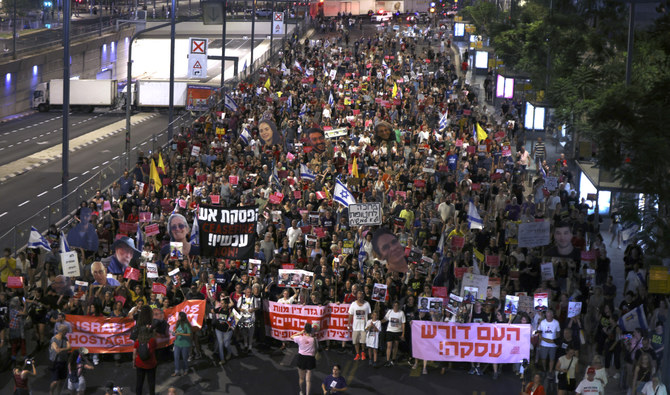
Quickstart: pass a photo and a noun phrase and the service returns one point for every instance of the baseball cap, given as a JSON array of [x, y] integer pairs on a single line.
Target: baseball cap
[[591, 370]]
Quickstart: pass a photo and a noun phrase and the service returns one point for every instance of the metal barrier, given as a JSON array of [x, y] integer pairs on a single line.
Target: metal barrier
[[17, 237]]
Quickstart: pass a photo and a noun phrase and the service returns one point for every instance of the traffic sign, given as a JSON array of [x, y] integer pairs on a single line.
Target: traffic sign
[[197, 66], [278, 23], [198, 46]]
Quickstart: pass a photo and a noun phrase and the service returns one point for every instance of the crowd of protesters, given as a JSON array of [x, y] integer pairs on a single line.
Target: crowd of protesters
[[410, 122]]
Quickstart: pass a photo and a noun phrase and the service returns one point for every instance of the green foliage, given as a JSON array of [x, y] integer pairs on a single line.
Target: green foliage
[[23, 7], [482, 15]]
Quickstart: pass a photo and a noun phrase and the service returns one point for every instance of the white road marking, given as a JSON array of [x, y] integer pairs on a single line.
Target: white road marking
[[85, 173], [57, 186], [3, 214], [72, 179], [95, 168], [24, 203], [42, 194], [115, 158], [11, 146], [105, 162], [34, 138]]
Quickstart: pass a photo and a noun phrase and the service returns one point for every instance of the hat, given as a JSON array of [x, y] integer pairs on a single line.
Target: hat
[[127, 241], [83, 350], [591, 370]]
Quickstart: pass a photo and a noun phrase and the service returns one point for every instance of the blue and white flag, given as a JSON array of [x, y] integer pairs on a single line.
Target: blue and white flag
[[195, 232], [245, 65], [64, 245], [440, 245], [297, 65], [388, 74], [361, 256], [303, 109], [305, 173], [444, 121], [289, 101], [274, 177], [633, 319], [230, 103], [245, 136], [309, 72], [36, 240], [342, 194], [140, 238], [473, 217], [384, 65], [331, 101], [542, 171], [283, 67]]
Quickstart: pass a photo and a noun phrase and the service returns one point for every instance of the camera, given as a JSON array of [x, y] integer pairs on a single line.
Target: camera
[[30, 361]]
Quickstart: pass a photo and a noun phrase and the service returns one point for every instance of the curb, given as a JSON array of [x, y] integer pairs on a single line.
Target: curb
[[45, 161]]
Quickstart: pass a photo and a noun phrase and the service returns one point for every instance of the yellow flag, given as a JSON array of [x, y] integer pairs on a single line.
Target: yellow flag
[[161, 165], [267, 84], [354, 169], [153, 174], [395, 90], [479, 255], [481, 133]]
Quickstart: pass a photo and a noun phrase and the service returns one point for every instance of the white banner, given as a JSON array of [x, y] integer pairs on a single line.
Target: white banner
[[332, 133], [70, 263], [534, 234], [365, 214]]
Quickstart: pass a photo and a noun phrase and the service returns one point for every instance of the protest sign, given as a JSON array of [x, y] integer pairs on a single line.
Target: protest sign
[[227, 232], [131, 273], [379, 292], [459, 272], [454, 303], [541, 301], [492, 260], [195, 151], [551, 183], [547, 271], [120, 298], [127, 227], [103, 335], [534, 234], [365, 214], [254, 267], [158, 288], [233, 180], [511, 304], [525, 304], [152, 270], [329, 322], [589, 255], [145, 216], [295, 278], [441, 292], [177, 250], [151, 230], [475, 282], [574, 309], [486, 343], [333, 133], [106, 206], [634, 319], [70, 263], [215, 199], [457, 242], [430, 304], [14, 282]]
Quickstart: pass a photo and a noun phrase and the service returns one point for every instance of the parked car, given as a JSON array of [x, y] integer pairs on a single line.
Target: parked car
[[264, 13]]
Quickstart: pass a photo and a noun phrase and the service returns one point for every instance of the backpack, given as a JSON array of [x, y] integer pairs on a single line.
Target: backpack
[[143, 351]]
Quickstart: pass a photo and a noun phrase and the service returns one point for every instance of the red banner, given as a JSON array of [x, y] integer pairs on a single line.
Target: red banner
[[151, 230], [492, 260], [14, 282], [284, 320], [102, 335], [132, 273], [158, 288]]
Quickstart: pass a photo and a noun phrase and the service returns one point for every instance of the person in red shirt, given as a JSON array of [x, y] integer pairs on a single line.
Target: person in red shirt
[[145, 367]]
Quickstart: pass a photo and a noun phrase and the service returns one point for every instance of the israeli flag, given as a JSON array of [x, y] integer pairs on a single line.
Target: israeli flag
[[303, 109], [283, 67], [64, 245], [195, 232], [309, 72], [230, 103], [274, 178], [342, 194], [140, 238], [289, 102], [384, 65], [245, 136], [440, 245], [36, 240], [444, 121], [297, 65], [635, 318], [305, 173], [542, 171], [331, 101], [361, 256], [388, 74], [473, 217]]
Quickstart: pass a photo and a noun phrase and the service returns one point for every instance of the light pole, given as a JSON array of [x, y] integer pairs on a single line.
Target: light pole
[[173, 14], [65, 174], [253, 31], [223, 46], [14, 32]]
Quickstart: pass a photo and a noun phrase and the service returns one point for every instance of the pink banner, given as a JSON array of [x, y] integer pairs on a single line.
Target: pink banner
[[284, 320], [488, 343]]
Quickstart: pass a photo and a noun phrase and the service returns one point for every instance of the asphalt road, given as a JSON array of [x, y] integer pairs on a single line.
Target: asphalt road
[[30, 192], [24, 136]]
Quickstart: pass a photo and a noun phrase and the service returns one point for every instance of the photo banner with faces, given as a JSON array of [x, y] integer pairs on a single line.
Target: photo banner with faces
[[294, 278], [227, 232]]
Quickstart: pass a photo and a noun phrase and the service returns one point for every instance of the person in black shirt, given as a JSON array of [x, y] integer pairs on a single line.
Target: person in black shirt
[[478, 316]]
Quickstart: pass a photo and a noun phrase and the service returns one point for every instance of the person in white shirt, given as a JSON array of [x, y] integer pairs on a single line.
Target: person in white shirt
[[654, 387], [395, 331], [549, 330], [359, 311], [590, 386], [373, 327], [293, 233]]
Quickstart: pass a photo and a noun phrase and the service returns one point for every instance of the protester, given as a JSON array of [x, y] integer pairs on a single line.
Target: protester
[[306, 357], [590, 386], [21, 376], [144, 357], [334, 382], [182, 344]]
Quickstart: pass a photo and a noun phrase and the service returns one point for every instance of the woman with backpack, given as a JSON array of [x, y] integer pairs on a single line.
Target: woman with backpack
[[76, 364], [182, 344], [144, 357]]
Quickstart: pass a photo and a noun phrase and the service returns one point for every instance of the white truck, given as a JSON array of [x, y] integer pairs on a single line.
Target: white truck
[[85, 95]]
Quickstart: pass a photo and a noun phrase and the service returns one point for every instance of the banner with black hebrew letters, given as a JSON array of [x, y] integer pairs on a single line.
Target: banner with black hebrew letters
[[227, 232], [534, 234], [365, 214]]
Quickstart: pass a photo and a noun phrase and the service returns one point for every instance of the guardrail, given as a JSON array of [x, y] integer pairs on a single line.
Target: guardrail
[[17, 237]]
